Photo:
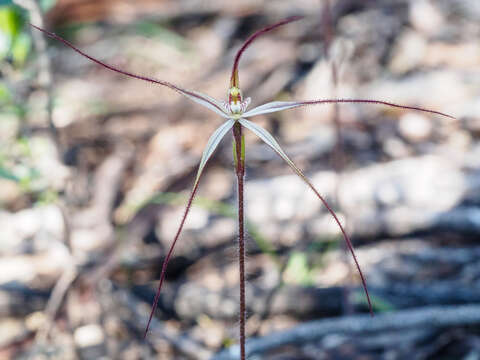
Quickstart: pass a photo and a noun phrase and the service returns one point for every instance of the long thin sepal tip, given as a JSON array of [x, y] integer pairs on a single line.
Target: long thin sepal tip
[[199, 98]]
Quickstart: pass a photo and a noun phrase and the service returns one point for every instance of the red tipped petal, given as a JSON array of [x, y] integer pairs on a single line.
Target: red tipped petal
[[378, 102], [202, 99], [169, 254], [246, 44], [345, 236], [285, 105], [212, 144], [270, 141]]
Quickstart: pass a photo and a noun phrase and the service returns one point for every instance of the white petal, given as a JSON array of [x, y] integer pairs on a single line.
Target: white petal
[[272, 107], [212, 144], [270, 141], [199, 98], [204, 100], [284, 105]]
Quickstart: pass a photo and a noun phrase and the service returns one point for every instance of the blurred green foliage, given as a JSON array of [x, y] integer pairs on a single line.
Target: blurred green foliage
[[46, 5], [299, 268], [16, 162], [5, 95], [7, 174], [162, 34], [15, 41]]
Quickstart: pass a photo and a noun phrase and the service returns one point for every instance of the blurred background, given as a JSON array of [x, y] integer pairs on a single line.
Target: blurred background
[[95, 169]]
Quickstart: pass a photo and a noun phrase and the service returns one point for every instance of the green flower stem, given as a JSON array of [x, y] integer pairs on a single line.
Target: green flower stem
[[239, 144]]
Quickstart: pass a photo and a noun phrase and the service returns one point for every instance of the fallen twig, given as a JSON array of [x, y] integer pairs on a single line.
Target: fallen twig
[[429, 317]]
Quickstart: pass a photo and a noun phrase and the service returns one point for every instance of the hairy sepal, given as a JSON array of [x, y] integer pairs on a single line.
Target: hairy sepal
[[285, 105], [206, 101], [270, 141], [202, 99], [210, 148], [271, 107]]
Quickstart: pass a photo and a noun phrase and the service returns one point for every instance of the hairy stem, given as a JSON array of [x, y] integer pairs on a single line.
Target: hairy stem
[[270, 141], [239, 153]]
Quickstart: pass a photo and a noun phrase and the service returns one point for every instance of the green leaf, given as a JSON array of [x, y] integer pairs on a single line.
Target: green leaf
[[212, 144]]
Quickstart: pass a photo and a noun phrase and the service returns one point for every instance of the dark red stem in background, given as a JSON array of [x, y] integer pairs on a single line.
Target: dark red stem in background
[[240, 171], [246, 44]]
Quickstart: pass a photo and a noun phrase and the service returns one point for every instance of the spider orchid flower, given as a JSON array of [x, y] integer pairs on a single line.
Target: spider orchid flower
[[235, 112]]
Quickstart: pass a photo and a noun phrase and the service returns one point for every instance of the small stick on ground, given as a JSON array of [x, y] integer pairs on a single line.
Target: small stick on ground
[[430, 317]]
